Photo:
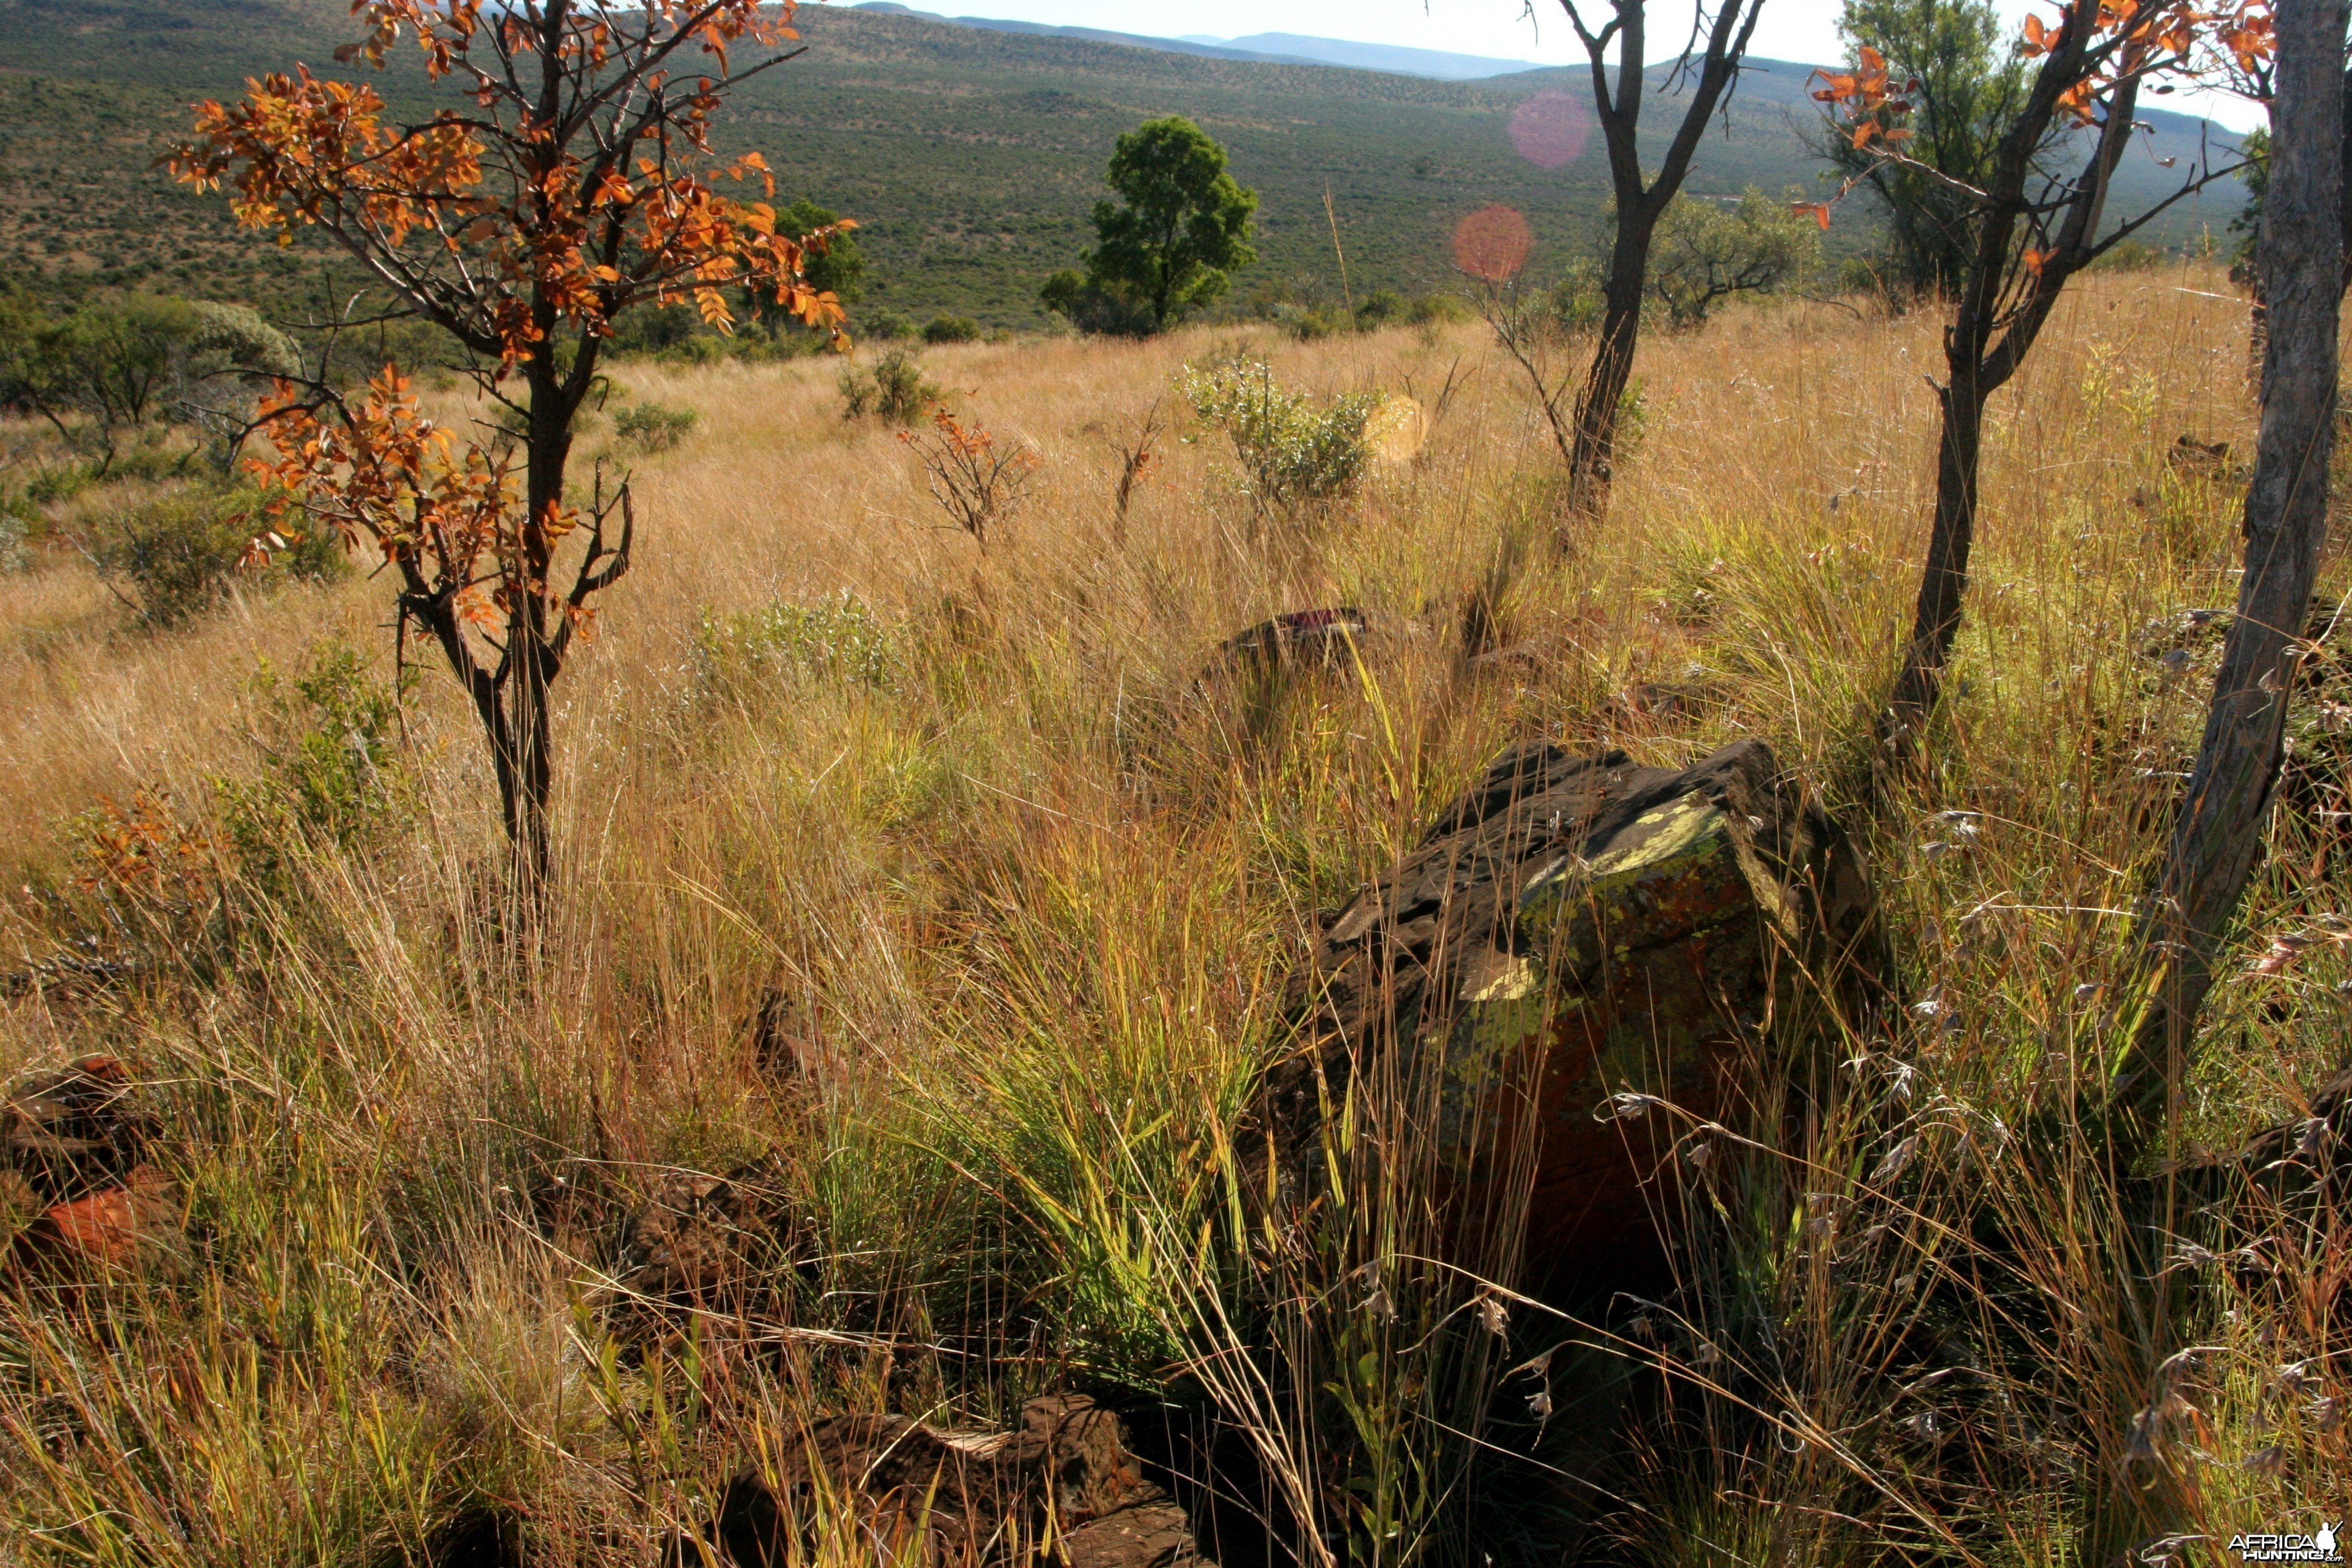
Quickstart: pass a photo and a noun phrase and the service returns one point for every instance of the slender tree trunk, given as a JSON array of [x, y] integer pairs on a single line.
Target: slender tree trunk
[[1617, 91], [1944, 580], [2217, 838], [1983, 347], [1591, 461], [531, 651]]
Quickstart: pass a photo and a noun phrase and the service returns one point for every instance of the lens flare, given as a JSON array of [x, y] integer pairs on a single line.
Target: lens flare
[[1550, 129], [1492, 243]]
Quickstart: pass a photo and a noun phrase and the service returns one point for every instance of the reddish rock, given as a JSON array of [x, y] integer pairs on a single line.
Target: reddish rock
[[1574, 942], [713, 1241], [114, 1227], [1311, 638], [76, 1185], [76, 1130]]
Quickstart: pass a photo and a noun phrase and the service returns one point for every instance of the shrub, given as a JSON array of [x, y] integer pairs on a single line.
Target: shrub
[[952, 330], [2132, 256], [17, 520], [1292, 453], [889, 326], [59, 484], [1380, 308], [1574, 302], [1094, 307], [1308, 323], [893, 389], [839, 639], [1437, 310], [976, 482], [178, 555], [328, 768], [654, 427], [1706, 252]]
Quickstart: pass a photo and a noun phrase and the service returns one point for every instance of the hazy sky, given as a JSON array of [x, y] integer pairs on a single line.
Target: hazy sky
[[1791, 29]]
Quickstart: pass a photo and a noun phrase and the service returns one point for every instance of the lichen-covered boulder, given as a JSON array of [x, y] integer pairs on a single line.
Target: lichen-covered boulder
[[1578, 964]]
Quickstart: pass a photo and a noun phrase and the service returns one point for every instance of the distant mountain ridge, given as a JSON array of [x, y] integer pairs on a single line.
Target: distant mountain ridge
[[1264, 49], [1205, 48], [1437, 64]]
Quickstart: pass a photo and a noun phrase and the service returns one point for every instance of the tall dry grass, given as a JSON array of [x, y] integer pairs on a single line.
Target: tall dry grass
[[1018, 900]]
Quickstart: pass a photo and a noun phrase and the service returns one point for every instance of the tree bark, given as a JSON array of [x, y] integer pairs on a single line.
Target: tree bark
[[1617, 103], [1988, 340], [2217, 838], [1592, 459], [1943, 579], [532, 661]]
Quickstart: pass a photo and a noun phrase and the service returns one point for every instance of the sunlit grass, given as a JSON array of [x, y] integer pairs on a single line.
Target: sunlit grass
[[1019, 895]]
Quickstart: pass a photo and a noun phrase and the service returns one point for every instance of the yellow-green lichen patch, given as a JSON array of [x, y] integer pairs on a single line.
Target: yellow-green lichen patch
[[1676, 868], [1504, 1008]]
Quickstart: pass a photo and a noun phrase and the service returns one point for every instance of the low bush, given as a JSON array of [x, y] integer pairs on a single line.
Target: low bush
[[838, 639], [887, 326], [1708, 252], [892, 389], [2133, 256], [178, 555], [18, 522], [1574, 302], [952, 330], [1091, 307], [1438, 309], [654, 427], [330, 769], [1380, 308], [1294, 452]]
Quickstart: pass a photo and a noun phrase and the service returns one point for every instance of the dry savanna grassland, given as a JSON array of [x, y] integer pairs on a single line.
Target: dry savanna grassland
[[927, 891]]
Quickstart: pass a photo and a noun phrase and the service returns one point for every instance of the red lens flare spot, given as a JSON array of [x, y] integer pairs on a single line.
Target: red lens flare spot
[[1550, 129], [1492, 243]]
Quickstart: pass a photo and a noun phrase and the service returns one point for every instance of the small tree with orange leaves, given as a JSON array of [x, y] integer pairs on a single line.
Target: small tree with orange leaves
[[579, 183], [2032, 227]]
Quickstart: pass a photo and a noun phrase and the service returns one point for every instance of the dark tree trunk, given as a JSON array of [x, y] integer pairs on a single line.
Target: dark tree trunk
[[2217, 838], [1592, 461], [1617, 102], [1943, 578], [531, 662], [2001, 309]]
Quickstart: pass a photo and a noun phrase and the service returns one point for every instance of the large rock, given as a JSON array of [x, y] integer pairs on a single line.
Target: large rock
[[1574, 942], [708, 1240]]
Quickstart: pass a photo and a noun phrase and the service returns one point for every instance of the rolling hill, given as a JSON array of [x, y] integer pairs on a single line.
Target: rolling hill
[[971, 155]]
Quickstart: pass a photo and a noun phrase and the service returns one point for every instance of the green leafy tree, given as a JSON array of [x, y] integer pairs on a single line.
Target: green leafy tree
[[97, 374], [1171, 243], [1969, 85], [114, 366], [1708, 252], [840, 266]]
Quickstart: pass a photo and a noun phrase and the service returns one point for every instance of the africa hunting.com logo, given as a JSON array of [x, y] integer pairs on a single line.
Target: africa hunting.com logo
[[2319, 1548]]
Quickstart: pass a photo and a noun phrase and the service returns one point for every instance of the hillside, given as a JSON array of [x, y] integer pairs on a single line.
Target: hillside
[[971, 155]]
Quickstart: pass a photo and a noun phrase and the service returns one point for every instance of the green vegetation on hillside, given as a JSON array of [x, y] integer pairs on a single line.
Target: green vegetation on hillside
[[970, 157]]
